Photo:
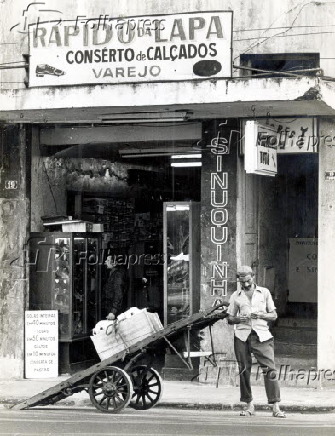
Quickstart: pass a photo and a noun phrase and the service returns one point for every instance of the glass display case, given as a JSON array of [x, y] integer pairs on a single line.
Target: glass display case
[[64, 271], [181, 230]]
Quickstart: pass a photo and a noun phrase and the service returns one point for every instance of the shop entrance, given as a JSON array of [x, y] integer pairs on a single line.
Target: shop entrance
[[280, 219], [116, 190], [132, 226], [299, 179]]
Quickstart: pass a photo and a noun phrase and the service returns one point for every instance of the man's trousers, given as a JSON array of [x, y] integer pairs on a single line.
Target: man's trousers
[[264, 354]]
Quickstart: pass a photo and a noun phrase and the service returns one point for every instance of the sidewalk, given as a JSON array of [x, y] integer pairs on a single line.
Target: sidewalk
[[192, 395]]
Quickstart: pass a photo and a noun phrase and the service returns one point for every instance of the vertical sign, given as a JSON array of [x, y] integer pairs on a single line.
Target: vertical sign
[[41, 343], [219, 147]]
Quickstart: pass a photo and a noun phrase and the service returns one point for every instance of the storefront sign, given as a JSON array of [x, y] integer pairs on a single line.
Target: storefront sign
[[295, 135], [303, 261], [289, 135], [41, 343], [260, 153], [139, 49]]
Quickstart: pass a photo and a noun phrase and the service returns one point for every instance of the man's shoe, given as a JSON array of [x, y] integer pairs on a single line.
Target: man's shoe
[[43, 69], [279, 414], [248, 411]]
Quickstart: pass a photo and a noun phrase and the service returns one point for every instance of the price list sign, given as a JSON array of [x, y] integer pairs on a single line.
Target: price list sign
[[41, 343]]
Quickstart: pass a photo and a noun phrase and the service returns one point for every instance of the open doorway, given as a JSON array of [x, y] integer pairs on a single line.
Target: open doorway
[[116, 197], [299, 201], [280, 230]]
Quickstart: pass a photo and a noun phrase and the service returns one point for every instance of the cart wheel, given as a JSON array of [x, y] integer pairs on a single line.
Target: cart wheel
[[148, 387], [110, 389]]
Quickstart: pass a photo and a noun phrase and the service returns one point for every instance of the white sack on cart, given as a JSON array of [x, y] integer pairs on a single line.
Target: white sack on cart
[[102, 327], [128, 313]]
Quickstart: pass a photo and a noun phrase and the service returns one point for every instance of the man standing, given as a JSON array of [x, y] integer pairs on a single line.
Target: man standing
[[250, 309], [115, 289]]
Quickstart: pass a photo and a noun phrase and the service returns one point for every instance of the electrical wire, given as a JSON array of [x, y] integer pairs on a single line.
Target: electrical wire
[[282, 36], [281, 27], [13, 62]]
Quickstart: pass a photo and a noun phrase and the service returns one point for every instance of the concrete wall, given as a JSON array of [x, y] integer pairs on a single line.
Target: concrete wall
[[266, 26], [14, 215]]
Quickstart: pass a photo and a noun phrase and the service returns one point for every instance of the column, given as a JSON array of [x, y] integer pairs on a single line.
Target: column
[[14, 215], [218, 235], [326, 247]]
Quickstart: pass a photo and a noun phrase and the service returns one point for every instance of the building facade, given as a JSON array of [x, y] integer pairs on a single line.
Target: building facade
[[97, 98]]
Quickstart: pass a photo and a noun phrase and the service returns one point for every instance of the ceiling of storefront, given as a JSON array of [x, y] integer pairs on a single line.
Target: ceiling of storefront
[[151, 140], [242, 109]]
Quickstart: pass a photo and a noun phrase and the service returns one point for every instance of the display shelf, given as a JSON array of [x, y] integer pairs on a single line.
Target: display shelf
[[64, 271]]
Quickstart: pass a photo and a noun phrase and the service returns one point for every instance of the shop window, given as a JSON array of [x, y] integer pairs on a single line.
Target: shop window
[[280, 62]]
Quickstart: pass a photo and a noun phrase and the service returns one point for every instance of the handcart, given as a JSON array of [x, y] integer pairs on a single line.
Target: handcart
[[120, 380]]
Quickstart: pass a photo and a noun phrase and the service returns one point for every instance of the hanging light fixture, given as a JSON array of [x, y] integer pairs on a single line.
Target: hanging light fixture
[[186, 160]]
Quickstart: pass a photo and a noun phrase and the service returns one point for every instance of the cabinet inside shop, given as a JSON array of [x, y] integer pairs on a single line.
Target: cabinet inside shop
[[133, 229], [65, 275]]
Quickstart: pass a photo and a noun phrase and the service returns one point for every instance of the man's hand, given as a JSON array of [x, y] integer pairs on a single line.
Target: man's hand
[[257, 315], [267, 316], [238, 319], [111, 316]]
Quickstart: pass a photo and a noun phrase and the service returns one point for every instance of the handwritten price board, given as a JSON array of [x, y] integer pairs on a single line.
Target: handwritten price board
[[41, 340]]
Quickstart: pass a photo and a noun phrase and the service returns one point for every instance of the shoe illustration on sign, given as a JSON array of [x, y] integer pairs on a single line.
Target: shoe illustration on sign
[[45, 69]]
